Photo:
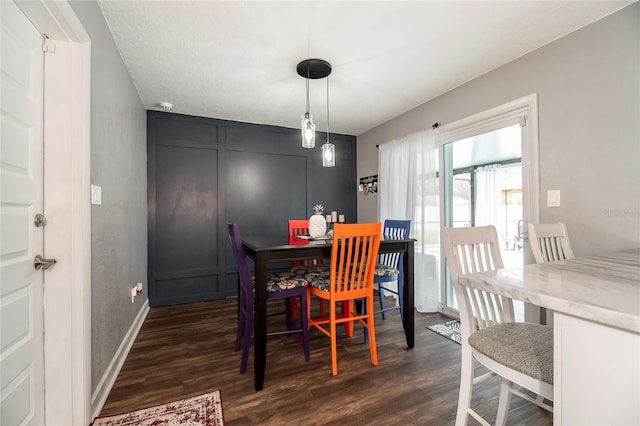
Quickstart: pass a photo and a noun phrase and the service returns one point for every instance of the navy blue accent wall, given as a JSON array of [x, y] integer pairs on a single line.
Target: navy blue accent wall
[[204, 172]]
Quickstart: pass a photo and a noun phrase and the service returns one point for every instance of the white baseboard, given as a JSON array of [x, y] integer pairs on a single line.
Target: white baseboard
[[101, 392]]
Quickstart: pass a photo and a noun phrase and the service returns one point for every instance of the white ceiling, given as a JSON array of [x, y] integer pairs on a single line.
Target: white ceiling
[[236, 60]]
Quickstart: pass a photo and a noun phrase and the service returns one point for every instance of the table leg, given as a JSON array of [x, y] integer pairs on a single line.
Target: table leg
[[260, 329], [408, 314]]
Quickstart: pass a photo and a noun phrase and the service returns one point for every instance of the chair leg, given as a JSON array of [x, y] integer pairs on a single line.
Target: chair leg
[[401, 294], [503, 405], [289, 312], [304, 321], [241, 326], [347, 309], [466, 386], [358, 305], [242, 319], [381, 297], [333, 335], [308, 304], [248, 332], [371, 325], [366, 328], [295, 308]]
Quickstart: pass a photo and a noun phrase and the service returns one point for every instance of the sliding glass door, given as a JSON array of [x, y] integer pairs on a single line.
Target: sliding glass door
[[489, 176], [483, 186]]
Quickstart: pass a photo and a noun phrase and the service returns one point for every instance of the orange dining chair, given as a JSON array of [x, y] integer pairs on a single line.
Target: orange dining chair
[[353, 262]]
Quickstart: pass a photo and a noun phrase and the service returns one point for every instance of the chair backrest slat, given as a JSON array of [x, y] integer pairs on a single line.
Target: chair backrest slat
[[550, 242], [301, 227], [470, 250], [297, 227], [394, 230], [244, 274], [353, 257]]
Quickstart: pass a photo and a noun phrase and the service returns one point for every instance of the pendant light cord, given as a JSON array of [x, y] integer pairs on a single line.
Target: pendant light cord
[[327, 109], [307, 89]]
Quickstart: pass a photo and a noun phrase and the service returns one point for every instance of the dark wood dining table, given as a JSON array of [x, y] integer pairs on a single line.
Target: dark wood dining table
[[273, 249]]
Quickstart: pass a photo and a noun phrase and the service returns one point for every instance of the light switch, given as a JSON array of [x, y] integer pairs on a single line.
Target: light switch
[[553, 198], [96, 195]]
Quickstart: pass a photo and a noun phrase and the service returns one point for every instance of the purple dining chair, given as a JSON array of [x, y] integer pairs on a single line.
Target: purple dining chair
[[280, 285]]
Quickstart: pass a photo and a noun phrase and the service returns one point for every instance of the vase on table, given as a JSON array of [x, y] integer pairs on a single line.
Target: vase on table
[[317, 222]]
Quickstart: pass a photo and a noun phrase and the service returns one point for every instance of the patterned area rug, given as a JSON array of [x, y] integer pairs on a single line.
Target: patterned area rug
[[202, 410], [449, 329]]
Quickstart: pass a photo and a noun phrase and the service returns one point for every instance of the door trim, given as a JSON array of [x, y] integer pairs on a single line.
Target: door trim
[[67, 295], [492, 119]]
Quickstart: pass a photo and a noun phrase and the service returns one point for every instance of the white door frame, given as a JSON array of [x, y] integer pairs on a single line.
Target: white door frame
[[67, 288], [525, 108]]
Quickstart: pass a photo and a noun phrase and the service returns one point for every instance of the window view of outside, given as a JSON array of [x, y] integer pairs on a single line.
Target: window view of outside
[[462, 200], [487, 190], [509, 225]]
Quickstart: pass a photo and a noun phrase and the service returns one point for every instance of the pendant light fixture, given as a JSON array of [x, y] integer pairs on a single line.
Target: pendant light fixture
[[328, 149], [311, 69], [307, 126]]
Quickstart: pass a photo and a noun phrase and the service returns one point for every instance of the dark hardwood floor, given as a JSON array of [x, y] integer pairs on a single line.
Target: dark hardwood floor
[[186, 350]]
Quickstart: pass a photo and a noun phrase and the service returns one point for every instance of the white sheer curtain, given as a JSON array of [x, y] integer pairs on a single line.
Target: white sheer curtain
[[408, 189], [487, 195]]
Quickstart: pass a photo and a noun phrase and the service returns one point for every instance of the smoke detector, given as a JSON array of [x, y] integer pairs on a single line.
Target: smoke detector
[[166, 106]]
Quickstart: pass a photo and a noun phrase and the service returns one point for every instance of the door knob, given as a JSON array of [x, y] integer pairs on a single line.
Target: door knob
[[41, 263], [39, 220]]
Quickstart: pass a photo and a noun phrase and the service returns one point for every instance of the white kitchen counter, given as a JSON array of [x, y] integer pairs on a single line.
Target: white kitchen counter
[[596, 304]]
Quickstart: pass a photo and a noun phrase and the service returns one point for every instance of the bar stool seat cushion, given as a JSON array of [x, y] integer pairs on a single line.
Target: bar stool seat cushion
[[386, 271], [283, 280], [319, 280], [310, 269], [524, 347]]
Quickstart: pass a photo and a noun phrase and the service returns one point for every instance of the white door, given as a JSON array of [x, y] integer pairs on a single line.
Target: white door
[[21, 195]]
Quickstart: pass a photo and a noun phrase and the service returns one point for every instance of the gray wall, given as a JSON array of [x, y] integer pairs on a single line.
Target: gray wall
[[118, 165], [588, 86]]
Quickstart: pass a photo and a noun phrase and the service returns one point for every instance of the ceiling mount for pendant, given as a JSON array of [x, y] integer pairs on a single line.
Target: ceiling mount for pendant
[[313, 68]]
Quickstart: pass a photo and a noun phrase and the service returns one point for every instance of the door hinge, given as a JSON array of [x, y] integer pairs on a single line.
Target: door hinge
[[48, 46]]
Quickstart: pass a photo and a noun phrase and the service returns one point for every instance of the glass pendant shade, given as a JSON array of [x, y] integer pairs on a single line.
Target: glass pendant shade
[[328, 155], [308, 130]]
